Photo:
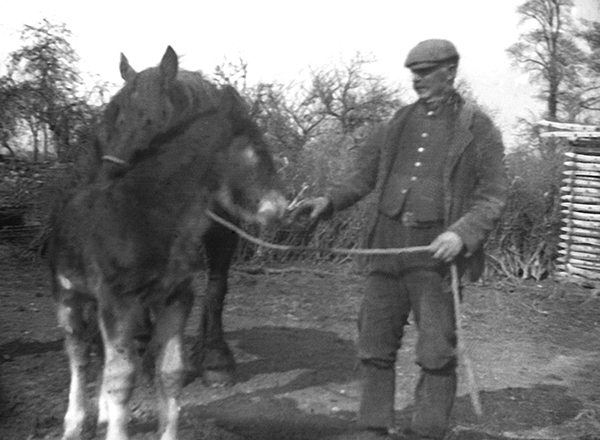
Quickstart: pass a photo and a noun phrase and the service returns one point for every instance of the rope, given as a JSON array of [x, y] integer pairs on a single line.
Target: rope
[[281, 247], [114, 159], [472, 385]]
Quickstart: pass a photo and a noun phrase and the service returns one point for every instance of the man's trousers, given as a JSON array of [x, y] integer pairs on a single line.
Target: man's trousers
[[395, 286]]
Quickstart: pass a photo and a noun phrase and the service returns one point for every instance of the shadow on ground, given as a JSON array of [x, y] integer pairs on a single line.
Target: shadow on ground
[[506, 413], [21, 347], [326, 359], [319, 358], [262, 407]]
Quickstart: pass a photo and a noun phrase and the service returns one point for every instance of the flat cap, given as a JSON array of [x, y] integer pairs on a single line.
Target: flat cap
[[430, 53]]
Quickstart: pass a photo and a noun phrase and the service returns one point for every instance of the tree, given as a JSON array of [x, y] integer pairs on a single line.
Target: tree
[[589, 86], [269, 103], [8, 113], [286, 115], [351, 96], [343, 98], [46, 80], [548, 50]]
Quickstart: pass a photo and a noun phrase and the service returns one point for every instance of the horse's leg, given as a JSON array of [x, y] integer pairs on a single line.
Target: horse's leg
[[118, 321], [213, 356], [71, 317], [167, 342]]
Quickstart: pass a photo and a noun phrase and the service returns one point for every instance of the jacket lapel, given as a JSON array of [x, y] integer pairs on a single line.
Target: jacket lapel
[[462, 137]]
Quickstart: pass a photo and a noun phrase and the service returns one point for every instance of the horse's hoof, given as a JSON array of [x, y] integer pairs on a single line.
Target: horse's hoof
[[218, 378]]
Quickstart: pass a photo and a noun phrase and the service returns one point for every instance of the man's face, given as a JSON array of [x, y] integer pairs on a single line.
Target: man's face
[[434, 82]]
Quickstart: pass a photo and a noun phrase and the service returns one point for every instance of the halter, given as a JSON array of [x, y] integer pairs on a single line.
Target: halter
[[174, 131]]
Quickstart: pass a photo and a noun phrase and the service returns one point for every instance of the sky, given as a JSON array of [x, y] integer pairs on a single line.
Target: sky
[[280, 39]]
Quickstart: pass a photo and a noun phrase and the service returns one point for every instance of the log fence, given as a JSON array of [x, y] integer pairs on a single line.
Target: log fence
[[579, 246]]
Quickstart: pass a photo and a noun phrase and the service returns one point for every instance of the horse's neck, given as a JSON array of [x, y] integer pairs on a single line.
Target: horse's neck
[[192, 98], [195, 97]]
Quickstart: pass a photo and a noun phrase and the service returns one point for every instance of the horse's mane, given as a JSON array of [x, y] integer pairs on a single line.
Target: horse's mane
[[193, 96], [194, 91]]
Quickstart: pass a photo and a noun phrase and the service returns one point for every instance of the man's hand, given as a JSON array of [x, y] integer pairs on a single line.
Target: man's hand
[[317, 208], [447, 246]]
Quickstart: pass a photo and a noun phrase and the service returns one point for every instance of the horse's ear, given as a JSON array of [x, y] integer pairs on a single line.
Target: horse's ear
[[127, 72], [169, 66]]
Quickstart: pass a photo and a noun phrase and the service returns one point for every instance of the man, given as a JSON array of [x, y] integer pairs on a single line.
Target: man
[[438, 168]]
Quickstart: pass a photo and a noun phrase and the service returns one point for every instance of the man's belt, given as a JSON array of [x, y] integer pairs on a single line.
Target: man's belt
[[409, 220]]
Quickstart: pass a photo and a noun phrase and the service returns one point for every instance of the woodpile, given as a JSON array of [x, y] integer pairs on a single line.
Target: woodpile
[[579, 259]]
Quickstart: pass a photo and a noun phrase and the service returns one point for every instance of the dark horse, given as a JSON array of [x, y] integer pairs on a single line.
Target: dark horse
[[154, 106], [124, 247]]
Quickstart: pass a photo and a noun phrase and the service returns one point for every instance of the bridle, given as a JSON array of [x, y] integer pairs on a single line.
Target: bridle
[[161, 138]]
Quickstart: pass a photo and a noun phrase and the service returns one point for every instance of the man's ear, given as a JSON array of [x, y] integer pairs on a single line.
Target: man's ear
[[452, 71]]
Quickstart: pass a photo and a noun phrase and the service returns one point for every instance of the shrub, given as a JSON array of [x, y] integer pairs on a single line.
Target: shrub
[[525, 243]]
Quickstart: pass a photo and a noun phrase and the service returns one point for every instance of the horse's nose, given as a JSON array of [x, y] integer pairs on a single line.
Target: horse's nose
[[272, 206]]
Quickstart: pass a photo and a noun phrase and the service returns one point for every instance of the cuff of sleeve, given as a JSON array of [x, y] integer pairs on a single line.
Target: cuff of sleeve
[[469, 241]]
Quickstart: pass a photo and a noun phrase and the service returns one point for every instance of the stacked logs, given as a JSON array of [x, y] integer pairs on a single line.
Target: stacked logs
[[579, 253]]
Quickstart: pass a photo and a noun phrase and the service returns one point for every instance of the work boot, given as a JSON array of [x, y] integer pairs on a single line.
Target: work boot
[[434, 398]]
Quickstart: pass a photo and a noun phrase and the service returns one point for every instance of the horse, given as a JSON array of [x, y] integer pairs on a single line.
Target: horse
[[162, 103], [123, 250]]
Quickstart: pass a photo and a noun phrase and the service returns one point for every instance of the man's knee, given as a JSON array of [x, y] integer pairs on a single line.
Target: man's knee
[[380, 364], [439, 366], [446, 370]]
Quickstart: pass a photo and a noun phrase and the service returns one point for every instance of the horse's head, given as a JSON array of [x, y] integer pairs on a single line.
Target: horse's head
[[249, 185], [140, 111]]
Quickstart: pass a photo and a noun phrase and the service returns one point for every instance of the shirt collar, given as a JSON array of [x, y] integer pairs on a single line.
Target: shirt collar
[[449, 105]]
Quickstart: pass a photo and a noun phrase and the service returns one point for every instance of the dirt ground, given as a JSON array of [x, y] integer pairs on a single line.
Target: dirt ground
[[535, 348]]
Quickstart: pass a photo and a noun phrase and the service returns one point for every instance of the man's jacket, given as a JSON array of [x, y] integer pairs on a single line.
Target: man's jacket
[[475, 181]]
